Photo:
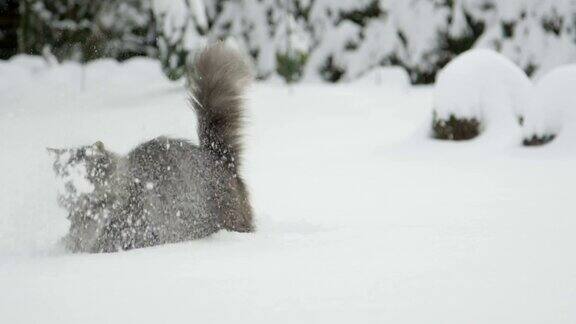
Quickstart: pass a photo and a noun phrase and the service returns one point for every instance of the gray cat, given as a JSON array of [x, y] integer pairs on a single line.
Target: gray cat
[[165, 190]]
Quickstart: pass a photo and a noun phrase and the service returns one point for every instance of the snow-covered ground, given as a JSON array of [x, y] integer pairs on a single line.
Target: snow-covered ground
[[360, 217]]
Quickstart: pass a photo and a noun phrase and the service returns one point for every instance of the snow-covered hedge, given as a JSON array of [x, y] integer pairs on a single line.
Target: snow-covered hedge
[[82, 30], [477, 91], [551, 106], [314, 39]]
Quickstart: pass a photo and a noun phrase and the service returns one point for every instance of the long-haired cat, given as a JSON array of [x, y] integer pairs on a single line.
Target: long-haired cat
[[165, 190]]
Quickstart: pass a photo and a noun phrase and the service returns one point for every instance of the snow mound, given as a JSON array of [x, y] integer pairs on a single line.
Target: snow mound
[[395, 77], [551, 106], [20, 69], [482, 85]]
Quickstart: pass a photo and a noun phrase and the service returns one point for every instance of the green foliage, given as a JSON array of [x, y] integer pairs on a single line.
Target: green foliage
[[83, 30], [173, 57], [454, 128], [536, 140], [331, 72], [291, 65], [172, 52], [9, 19], [129, 29], [362, 16], [459, 44], [64, 27]]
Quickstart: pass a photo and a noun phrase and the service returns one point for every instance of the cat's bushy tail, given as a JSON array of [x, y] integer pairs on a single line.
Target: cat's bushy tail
[[218, 80]]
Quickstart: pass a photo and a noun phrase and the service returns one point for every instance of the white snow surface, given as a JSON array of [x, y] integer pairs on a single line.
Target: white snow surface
[[360, 218], [485, 85], [389, 77], [552, 104]]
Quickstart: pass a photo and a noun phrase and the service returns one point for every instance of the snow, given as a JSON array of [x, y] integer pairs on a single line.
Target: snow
[[176, 11], [359, 217], [419, 22], [530, 44], [390, 77], [552, 104], [355, 35], [334, 41], [484, 85], [413, 33], [76, 174], [407, 31]]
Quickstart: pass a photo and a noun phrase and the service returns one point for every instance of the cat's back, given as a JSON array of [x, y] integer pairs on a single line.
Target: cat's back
[[172, 179], [161, 157]]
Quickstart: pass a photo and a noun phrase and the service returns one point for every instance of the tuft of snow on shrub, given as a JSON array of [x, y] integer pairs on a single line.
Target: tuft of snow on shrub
[[551, 106], [479, 90]]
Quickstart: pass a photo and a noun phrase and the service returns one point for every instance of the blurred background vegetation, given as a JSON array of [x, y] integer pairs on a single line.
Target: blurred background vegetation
[[295, 40]]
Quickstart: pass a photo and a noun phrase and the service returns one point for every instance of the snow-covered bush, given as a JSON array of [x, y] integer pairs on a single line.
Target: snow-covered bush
[[66, 28], [354, 37], [175, 33], [423, 35], [551, 106], [127, 28], [536, 35], [290, 65], [312, 40], [83, 30], [336, 27], [478, 90], [275, 34]]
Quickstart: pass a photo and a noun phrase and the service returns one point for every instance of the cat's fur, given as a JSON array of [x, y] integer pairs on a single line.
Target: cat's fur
[[165, 190]]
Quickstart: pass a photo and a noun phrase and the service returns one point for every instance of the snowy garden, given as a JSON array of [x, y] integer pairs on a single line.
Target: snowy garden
[[407, 161]]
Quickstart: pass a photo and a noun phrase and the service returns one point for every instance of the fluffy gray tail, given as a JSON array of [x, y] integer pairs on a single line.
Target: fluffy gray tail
[[218, 81]]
